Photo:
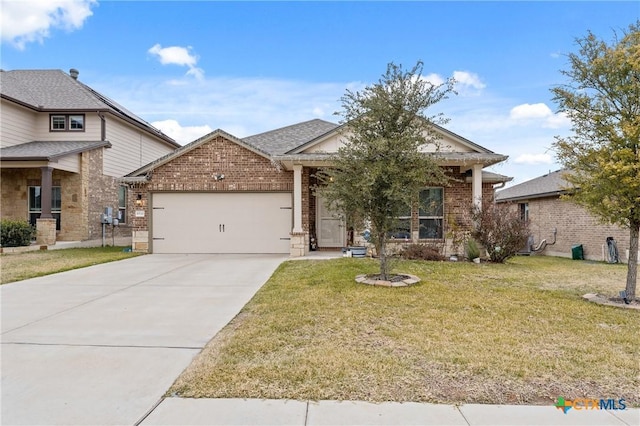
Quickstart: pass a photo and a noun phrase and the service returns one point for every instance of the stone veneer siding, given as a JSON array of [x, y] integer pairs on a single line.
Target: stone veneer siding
[[575, 226], [103, 192], [84, 196]]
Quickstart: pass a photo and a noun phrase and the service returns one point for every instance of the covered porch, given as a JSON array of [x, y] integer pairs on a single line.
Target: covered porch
[[313, 222], [46, 183]]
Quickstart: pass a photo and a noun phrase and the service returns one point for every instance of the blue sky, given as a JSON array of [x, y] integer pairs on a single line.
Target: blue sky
[[189, 67]]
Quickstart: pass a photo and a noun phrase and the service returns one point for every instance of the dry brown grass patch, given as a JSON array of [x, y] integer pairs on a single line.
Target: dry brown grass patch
[[514, 333]]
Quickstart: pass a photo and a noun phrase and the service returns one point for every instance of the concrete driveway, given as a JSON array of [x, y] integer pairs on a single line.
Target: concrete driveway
[[101, 345]]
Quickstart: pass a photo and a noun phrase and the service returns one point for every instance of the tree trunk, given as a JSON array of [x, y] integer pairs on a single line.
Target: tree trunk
[[632, 271], [382, 255]]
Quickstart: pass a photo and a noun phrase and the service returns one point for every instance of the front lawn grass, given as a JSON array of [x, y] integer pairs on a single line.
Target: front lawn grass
[[517, 333], [20, 266]]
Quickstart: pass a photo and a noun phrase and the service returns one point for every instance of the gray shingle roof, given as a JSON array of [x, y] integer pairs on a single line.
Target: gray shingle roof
[[48, 90], [549, 185], [285, 139], [48, 150], [491, 177], [55, 90]]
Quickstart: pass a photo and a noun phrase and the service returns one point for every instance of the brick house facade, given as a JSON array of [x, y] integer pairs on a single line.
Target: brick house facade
[[546, 211], [220, 163]]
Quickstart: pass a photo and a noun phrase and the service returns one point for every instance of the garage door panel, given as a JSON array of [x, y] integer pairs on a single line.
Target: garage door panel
[[221, 222]]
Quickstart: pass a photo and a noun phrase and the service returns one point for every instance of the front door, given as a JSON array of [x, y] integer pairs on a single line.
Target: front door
[[331, 227]]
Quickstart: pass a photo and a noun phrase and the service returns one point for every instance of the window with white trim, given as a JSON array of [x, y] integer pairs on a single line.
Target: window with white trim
[[67, 122], [524, 211], [431, 213]]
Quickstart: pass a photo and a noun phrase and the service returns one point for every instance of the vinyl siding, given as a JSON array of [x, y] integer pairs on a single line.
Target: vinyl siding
[[131, 148], [17, 123], [70, 163], [91, 129]]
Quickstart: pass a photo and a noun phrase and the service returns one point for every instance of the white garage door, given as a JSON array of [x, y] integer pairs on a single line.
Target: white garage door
[[221, 222]]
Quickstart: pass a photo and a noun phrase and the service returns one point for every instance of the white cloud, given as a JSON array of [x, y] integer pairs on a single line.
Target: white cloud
[[177, 55], [557, 121], [466, 83], [27, 21], [526, 113], [533, 159], [467, 78], [181, 134], [240, 106], [318, 112], [174, 55], [196, 72]]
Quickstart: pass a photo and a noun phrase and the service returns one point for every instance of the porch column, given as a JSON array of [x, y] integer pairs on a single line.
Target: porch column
[[46, 223], [297, 198], [476, 185], [45, 192]]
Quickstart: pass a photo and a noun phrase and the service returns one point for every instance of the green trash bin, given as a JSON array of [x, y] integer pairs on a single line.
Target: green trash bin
[[577, 252]]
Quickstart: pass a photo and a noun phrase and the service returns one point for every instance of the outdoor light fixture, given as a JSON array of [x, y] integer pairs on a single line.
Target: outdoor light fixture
[[218, 176], [139, 201]]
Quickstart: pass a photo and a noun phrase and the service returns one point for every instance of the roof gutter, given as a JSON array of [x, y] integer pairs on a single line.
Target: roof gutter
[[531, 196], [134, 179]]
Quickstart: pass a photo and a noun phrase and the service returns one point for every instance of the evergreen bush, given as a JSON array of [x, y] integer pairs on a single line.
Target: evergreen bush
[[15, 233]]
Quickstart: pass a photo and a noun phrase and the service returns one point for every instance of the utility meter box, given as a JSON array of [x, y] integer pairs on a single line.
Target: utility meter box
[[107, 216]]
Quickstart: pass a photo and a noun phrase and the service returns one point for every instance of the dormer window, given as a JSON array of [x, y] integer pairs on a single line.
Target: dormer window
[[67, 123]]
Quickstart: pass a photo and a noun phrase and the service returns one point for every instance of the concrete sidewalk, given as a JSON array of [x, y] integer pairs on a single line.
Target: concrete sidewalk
[[179, 411]]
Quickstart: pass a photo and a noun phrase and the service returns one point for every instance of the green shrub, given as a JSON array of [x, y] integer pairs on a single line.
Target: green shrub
[[472, 249], [421, 252], [15, 233]]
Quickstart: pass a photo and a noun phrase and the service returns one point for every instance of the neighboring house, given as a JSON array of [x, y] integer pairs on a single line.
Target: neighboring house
[[223, 194], [538, 201], [63, 147]]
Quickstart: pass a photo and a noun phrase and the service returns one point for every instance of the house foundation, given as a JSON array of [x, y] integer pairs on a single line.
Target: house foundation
[[299, 244]]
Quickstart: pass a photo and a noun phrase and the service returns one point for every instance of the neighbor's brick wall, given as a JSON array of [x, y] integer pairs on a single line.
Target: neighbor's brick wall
[[244, 171], [575, 226]]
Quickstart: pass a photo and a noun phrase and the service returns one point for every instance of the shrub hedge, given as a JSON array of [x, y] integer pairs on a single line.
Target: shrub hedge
[[15, 233]]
